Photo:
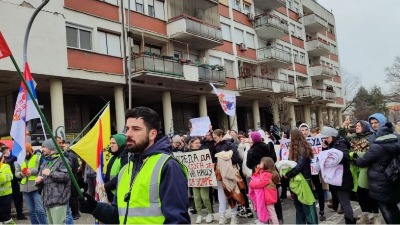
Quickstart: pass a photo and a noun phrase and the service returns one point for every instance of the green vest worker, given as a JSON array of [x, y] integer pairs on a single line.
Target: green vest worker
[[118, 160], [6, 177], [152, 187]]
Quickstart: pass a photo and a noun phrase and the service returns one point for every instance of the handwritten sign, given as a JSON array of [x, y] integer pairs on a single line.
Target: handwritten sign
[[200, 126], [316, 145], [200, 166]]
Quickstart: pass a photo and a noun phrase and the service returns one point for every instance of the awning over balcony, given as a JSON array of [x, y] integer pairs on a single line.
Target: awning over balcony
[[270, 27], [274, 57]]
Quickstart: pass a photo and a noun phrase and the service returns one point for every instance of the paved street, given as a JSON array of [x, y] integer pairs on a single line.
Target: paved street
[[288, 214]]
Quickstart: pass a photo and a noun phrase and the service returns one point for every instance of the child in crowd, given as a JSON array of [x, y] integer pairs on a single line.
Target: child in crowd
[[263, 191]]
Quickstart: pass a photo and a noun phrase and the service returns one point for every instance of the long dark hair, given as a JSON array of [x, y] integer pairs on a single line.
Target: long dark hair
[[269, 166], [299, 145]]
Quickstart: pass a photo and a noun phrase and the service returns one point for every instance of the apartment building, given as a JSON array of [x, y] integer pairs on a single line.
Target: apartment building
[[280, 58]]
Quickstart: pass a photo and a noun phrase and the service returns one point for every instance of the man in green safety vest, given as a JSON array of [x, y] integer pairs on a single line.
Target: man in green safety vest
[[152, 187], [6, 177], [27, 171]]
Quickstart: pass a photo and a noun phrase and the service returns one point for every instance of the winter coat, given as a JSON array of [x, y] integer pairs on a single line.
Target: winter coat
[[257, 195], [377, 158], [262, 179], [331, 170], [224, 145], [56, 186], [347, 181], [257, 152]]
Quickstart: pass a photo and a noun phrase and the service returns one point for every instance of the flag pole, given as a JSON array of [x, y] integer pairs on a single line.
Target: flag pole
[[47, 127], [94, 118]]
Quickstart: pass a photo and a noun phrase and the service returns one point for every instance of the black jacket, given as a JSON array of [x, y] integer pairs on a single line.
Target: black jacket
[[226, 145], [377, 159], [257, 152], [341, 144], [303, 166]]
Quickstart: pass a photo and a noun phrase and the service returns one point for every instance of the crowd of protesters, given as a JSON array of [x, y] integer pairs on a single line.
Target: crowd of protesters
[[251, 180]]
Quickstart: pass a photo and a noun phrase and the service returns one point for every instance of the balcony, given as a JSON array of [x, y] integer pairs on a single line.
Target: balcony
[[274, 57], [147, 66], [287, 88], [255, 84], [329, 96], [314, 23], [270, 27], [317, 47], [269, 4], [309, 94], [195, 32], [321, 72], [216, 76]]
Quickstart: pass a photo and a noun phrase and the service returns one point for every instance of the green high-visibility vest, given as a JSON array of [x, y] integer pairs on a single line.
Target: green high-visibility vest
[[33, 163], [115, 168], [5, 179], [144, 205]]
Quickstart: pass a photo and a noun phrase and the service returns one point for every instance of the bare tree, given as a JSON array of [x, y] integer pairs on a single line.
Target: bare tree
[[351, 83], [393, 74]]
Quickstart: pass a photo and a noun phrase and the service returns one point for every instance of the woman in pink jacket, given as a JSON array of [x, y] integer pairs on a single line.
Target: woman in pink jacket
[[263, 192]]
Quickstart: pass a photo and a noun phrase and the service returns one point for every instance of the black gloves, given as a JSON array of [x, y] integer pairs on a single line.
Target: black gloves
[[87, 203]]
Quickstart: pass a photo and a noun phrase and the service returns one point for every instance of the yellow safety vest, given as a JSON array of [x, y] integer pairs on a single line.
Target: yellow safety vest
[[5, 179], [33, 163], [144, 205]]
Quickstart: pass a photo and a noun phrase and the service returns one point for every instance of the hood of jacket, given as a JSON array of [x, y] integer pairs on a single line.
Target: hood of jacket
[[305, 125], [378, 116], [390, 143], [227, 137], [366, 128]]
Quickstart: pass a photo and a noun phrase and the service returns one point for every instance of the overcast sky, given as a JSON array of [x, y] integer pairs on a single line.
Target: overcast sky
[[368, 33]]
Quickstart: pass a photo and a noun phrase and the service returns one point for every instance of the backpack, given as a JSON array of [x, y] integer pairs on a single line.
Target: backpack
[[392, 171]]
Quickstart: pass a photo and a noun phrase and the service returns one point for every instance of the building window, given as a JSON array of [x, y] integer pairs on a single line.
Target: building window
[[226, 32], [291, 79], [139, 6], [292, 29], [333, 48], [302, 58], [246, 8], [331, 28], [229, 65], [113, 2], [296, 56], [109, 44], [236, 4], [250, 40], [178, 54], [152, 49], [299, 32], [151, 11], [238, 36], [79, 37]]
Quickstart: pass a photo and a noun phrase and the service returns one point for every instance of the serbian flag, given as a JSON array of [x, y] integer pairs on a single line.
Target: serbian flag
[[90, 148], [227, 101], [4, 50], [24, 111]]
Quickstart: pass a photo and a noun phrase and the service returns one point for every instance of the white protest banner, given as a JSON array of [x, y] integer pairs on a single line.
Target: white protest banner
[[200, 126], [200, 166], [316, 145]]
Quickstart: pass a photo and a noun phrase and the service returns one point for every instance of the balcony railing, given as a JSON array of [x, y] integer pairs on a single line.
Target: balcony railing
[[287, 88], [321, 72], [330, 95], [314, 23], [317, 47], [147, 62], [309, 92], [194, 31], [274, 56], [254, 83], [269, 4], [214, 76], [270, 27]]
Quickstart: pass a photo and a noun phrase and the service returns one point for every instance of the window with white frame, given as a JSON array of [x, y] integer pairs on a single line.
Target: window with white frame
[[333, 49], [152, 49], [302, 58], [235, 4], [226, 32], [213, 60], [150, 8], [246, 8], [79, 37], [299, 32], [296, 55], [135, 48], [296, 7], [289, 4], [139, 6], [109, 44], [292, 29], [238, 36], [229, 65], [250, 40], [159, 9]]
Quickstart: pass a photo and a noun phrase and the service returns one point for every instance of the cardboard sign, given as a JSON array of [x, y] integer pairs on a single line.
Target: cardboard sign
[[316, 145], [200, 166], [200, 126]]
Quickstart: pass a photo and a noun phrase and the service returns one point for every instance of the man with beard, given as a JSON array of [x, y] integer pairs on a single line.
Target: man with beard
[[152, 187]]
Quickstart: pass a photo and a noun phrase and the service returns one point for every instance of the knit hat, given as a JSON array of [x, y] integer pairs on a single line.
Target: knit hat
[[120, 139], [49, 144], [29, 148], [329, 132], [255, 136]]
